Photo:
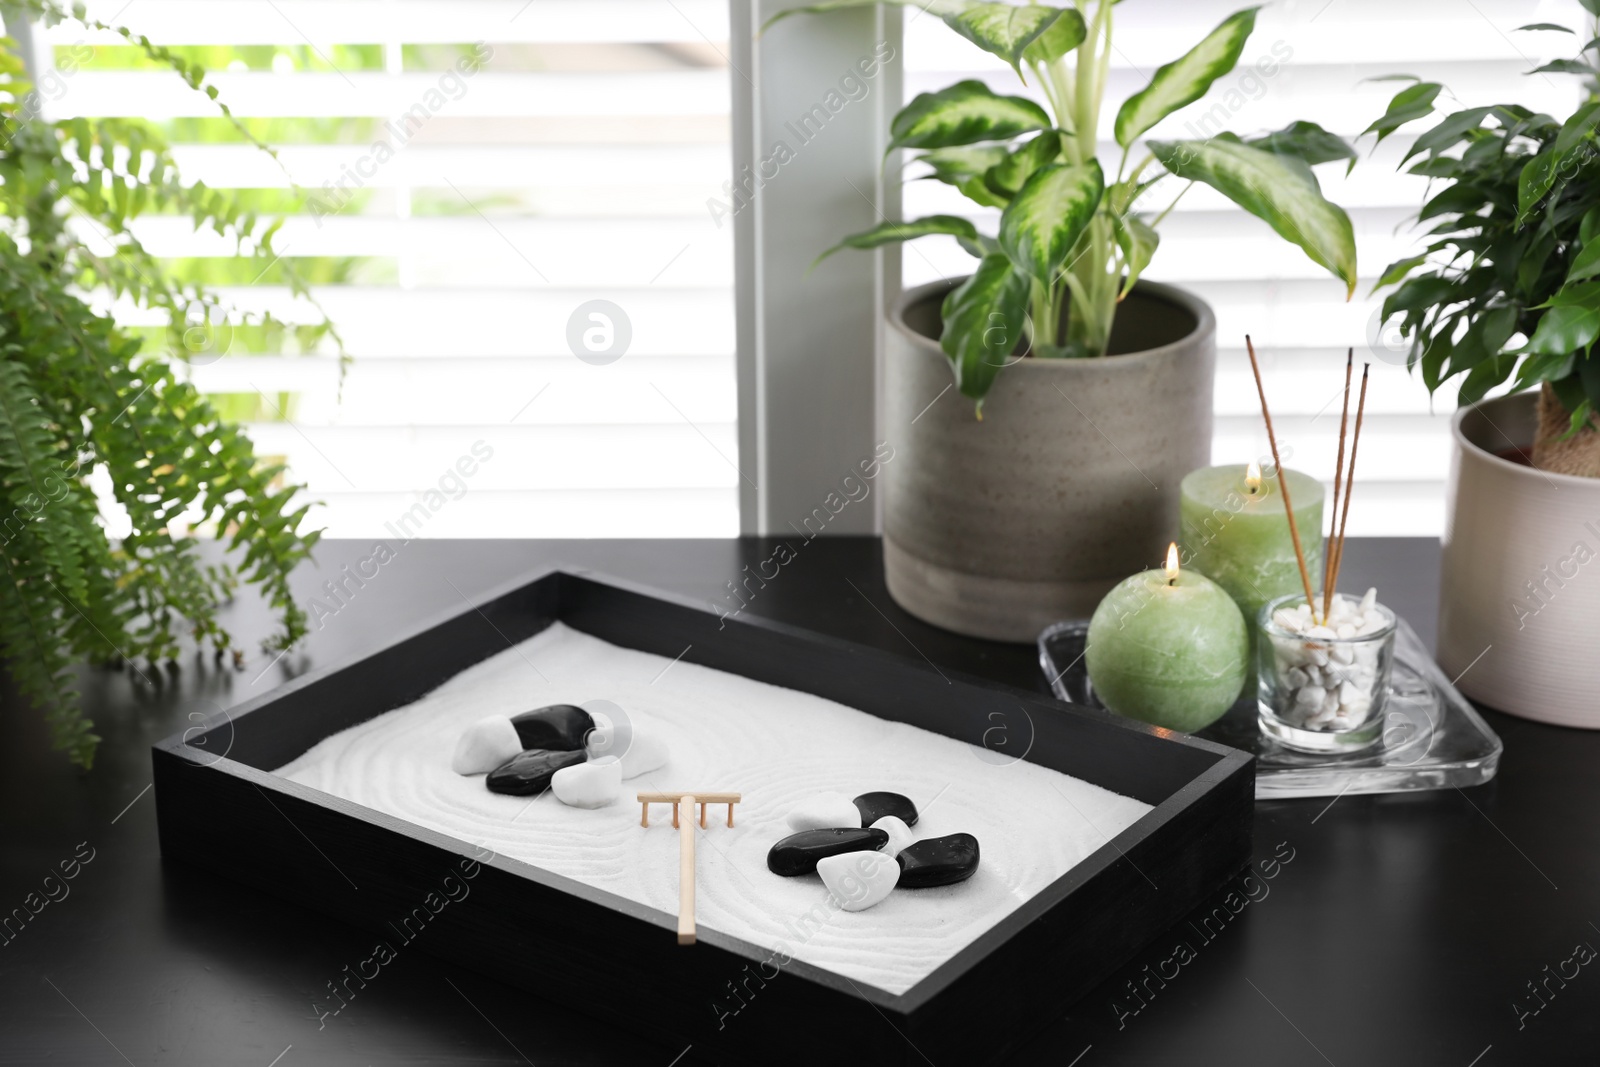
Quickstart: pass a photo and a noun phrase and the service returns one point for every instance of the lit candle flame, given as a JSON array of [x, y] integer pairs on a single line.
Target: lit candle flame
[[1172, 562], [1252, 476]]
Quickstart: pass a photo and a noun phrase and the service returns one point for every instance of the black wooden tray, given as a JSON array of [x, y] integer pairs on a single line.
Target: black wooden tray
[[220, 806]]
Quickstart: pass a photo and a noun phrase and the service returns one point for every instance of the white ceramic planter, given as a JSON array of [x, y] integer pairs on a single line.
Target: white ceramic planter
[[997, 528], [1519, 605]]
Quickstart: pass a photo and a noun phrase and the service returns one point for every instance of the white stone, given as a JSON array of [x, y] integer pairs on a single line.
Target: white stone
[[858, 880], [1321, 632], [1345, 630], [1317, 655], [1296, 677], [1342, 654], [900, 834], [1348, 694], [1285, 619], [485, 745], [589, 785], [1309, 698], [1368, 601], [642, 751], [824, 812]]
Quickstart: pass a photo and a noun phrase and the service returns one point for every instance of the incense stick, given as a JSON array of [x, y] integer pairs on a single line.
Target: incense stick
[[1283, 482], [1338, 472], [1350, 477]]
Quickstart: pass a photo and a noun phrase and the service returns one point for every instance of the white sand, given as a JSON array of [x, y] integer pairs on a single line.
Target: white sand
[[774, 745]]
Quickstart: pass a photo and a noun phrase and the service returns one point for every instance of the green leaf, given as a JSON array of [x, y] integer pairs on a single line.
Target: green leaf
[[1306, 141], [886, 233], [1186, 79], [1486, 375], [1451, 129], [1564, 330], [965, 113], [1138, 243], [1043, 221], [1272, 189], [1007, 176], [984, 318], [1586, 264], [1397, 270], [1005, 30], [1563, 66], [1538, 174], [1542, 26], [1061, 37], [1409, 104]]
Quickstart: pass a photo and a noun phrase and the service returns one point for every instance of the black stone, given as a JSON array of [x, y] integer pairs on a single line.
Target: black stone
[[559, 728], [530, 772], [938, 861], [874, 806], [799, 853]]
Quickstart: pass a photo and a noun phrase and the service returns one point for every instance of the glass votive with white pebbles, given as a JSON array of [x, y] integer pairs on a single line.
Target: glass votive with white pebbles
[[1322, 682]]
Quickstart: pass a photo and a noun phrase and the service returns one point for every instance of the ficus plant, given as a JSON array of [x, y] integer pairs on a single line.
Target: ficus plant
[[84, 400], [1074, 234], [1507, 289]]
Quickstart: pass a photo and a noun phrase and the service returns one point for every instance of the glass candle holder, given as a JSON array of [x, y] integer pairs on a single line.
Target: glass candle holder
[[1323, 688]]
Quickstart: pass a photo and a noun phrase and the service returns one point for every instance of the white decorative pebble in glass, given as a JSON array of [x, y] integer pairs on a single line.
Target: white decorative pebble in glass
[[1323, 682]]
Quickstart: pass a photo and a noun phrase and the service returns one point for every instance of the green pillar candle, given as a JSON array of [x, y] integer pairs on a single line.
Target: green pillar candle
[[1234, 531], [1168, 647]]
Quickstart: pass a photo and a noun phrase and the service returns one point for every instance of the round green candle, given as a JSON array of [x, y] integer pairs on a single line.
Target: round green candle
[[1234, 531], [1168, 647]]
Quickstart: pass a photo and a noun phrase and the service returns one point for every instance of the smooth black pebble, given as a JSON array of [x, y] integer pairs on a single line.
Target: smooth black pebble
[[874, 806], [938, 861], [799, 853], [530, 772], [559, 727]]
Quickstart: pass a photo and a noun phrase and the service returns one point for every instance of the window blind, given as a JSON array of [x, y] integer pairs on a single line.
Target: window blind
[[1321, 54], [504, 206]]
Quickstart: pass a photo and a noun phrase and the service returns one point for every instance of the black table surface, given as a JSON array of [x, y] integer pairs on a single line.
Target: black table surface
[[1450, 927]]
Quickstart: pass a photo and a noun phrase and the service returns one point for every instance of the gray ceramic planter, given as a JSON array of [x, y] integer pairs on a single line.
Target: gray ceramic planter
[[1069, 483], [1519, 601]]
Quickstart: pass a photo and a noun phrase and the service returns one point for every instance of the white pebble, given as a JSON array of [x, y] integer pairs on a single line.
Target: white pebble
[[825, 811], [1342, 654], [1368, 601], [1346, 630], [858, 880], [1309, 698], [1317, 655], [641, 750], [485, 745], [900, 834], [1321, 632], [589, 785], [1285, 619], [1296, 678]]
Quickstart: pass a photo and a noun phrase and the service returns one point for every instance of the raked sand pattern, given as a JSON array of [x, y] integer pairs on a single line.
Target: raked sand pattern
[[776, 746]]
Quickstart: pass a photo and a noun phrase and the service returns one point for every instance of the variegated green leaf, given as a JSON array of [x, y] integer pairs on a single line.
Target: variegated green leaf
[[1043, 221], [983, 322], [1138, 243], [1186, 79], [1273, 189], [1007, 176], [955, 165], [1061, 37], [1004, 29], [966, 113], [1306, 141], [891, 232]]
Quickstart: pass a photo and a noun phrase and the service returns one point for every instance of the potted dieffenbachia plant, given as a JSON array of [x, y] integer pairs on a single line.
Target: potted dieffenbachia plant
[[1505, 296], [1066, 480]]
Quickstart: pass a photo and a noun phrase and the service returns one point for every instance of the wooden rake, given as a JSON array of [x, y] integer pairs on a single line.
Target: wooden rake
[[683, 820]]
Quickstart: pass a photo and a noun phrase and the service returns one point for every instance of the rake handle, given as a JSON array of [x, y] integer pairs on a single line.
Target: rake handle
[[685, 819]]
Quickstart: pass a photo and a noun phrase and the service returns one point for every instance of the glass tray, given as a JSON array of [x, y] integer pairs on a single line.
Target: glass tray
[[1432, 737]]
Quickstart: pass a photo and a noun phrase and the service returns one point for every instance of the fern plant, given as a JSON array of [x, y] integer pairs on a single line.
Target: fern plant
[[81, 396]]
